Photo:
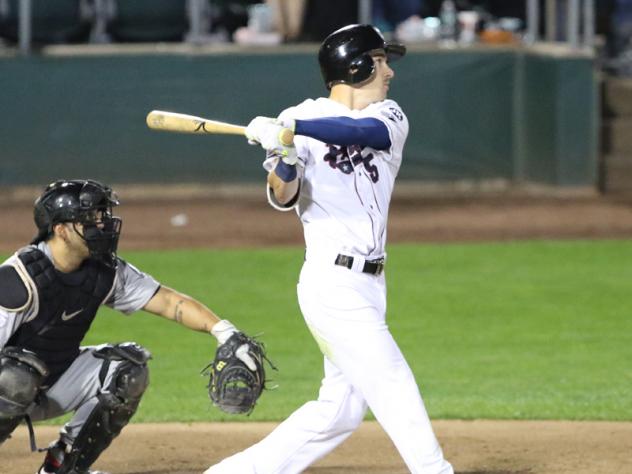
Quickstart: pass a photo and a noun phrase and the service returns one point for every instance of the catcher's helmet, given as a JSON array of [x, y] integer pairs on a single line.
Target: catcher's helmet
[[345, 55], [85, 202]]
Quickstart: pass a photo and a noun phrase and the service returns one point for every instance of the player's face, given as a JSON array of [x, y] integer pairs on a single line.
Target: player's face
[[71, 235], [380, 82]]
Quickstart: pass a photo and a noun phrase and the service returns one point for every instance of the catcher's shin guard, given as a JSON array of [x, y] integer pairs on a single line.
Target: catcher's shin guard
[[21, 375], [113, 411], [7, 425]]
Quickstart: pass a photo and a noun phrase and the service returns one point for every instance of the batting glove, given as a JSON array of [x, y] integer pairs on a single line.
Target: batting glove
[[289, 123], [287, 154], [269, 132], [255, 128], [222, 331]]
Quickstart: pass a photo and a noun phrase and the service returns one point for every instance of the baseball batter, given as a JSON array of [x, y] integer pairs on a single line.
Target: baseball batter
[[339, 177], [50, 292]]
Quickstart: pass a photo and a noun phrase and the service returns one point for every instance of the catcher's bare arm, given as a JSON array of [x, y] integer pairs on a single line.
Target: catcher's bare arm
[[189, 312], [183, 309]]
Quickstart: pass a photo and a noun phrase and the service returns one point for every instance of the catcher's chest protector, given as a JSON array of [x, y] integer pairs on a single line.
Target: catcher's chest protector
[[67, 303]]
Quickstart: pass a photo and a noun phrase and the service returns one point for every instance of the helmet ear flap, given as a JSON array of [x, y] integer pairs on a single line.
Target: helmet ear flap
[[361, 69]]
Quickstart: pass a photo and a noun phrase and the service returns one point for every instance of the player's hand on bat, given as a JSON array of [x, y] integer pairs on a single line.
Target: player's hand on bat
[[269, 133], [256, 127]]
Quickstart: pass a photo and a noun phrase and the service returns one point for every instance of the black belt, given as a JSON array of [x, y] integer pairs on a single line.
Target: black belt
[[374, 267]]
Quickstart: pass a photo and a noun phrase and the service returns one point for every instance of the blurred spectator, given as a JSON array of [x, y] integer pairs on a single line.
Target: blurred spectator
[[289, 16], [62, 21], [503, 8], [497, 8], [621, 27], [387, 14], [604, 11], [619, 39], [227, 16], [272, 22], [262, 28], [147, 21]]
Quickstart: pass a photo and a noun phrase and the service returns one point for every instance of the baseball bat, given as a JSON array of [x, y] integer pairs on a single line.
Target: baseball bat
[[184, 123]]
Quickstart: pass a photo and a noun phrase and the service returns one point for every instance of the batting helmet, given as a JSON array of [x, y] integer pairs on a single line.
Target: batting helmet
[[345, 55], [85, 202]]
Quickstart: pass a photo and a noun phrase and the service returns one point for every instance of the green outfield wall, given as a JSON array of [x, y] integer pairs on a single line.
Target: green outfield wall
[[475, 114]]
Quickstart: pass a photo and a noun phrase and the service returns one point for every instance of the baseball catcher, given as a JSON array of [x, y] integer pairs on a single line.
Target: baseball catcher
[[50, 292]]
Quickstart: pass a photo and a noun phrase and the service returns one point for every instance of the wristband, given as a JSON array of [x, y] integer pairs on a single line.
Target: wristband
[[285, 172], [222, 330]]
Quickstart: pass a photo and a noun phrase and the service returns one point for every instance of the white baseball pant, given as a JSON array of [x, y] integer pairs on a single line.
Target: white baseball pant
[[345, 311]]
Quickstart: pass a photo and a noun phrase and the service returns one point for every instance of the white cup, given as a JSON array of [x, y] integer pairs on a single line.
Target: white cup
[[260, 18], [468, 20]]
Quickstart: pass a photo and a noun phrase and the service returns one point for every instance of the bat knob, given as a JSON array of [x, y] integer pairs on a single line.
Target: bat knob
[[286, 137]]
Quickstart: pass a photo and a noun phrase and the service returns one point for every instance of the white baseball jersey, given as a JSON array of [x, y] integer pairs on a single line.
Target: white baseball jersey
[[132, 291], [346, 191]]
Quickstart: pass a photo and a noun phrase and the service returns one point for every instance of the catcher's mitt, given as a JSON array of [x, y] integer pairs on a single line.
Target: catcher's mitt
[[234, 387]]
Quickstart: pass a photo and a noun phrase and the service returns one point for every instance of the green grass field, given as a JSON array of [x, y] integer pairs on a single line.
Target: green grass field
[[520, 330]]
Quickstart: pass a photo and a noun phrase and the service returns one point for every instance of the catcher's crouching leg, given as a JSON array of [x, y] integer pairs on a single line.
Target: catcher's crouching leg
[[21, 374], [114, 408]]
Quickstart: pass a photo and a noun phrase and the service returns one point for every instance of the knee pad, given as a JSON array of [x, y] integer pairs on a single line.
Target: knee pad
[[114, 409], [129, 382], [21, 375], [131, 377]]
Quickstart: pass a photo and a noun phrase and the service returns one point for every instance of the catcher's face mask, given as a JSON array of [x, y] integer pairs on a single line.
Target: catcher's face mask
[[101, 232]]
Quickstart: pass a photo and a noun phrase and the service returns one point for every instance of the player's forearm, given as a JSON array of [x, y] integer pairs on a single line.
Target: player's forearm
[[346, 131], [182, 309], [284, 191]]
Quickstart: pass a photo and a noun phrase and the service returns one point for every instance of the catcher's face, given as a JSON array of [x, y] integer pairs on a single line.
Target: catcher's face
[[100, 232], [72, 237]]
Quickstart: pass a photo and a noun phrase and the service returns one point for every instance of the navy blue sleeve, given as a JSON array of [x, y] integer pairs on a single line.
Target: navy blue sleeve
[[346, 131]]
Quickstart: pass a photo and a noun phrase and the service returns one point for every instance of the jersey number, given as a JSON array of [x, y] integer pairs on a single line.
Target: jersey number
[[346, 158]]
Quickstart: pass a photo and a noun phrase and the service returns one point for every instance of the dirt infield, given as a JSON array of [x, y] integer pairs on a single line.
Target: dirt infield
[[474, 447], [249, 222]]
